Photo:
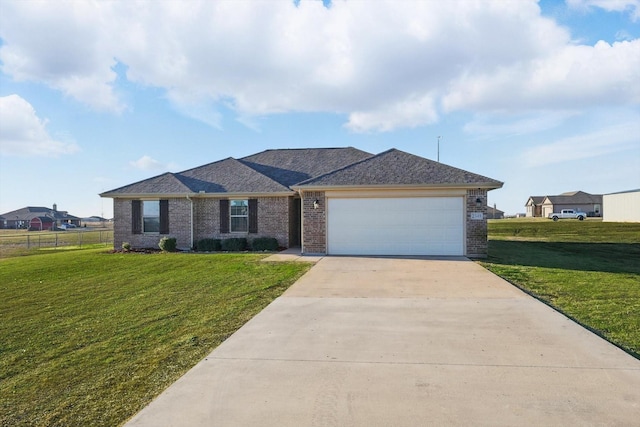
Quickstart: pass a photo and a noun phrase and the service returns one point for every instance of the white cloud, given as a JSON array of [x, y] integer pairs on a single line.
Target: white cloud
[[609, 139], [491, 125], [23, 133], [148, 163], [407, 113], [568, 77], [71, 50], [631, 6], [383, 65]]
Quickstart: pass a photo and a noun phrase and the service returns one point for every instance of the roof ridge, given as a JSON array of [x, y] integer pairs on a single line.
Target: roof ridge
[[298, 149], [206, 164]]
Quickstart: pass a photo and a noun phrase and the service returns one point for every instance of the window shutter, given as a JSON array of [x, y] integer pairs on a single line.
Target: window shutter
[[136, 217], [224, 216], [164, 217], [253, 215]]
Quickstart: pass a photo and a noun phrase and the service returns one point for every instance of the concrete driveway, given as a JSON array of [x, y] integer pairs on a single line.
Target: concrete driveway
[[405, 342]]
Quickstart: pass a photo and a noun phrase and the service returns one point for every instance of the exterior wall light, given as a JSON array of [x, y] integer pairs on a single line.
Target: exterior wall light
[[479, 202], [316, 203]]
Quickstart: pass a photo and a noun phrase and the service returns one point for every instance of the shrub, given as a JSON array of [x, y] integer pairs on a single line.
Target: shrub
[[234, 244], [208, 245], [264, 244], [168, 244], [126, 246]]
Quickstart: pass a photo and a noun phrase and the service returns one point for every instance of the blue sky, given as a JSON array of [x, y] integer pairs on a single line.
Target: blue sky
[[544, 96]]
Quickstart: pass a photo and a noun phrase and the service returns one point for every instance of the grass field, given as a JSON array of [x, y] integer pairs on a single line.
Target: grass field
[[588, 270], [88, 337], [22, 242]]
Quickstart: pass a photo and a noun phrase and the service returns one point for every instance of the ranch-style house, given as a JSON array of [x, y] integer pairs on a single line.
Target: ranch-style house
[[337, 201]]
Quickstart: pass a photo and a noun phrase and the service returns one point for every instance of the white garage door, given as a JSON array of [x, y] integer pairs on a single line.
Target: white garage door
[[396, 226]]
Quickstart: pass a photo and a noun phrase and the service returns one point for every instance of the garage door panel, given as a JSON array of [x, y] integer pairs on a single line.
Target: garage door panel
[[396, 226]]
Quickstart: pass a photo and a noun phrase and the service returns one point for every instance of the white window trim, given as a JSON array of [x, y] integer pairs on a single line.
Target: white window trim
[[231, 216], [144, 231]]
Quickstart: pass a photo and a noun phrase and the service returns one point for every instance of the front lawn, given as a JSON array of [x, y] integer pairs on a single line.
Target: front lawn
[[588, 270], [88, 338]]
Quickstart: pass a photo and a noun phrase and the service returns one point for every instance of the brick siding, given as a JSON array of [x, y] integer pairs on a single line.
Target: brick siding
[[314, 223], [273, 221], [477, 246], [274, 216], [179, 215]]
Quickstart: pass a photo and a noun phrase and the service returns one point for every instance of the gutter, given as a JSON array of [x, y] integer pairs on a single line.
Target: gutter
[[478, 185]]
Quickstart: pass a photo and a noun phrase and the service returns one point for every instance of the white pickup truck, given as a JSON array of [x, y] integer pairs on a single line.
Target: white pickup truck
[[568, 214]]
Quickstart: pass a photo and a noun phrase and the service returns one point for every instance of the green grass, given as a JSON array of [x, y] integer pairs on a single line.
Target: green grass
[[89, 337], [588, 270], [22, 242]]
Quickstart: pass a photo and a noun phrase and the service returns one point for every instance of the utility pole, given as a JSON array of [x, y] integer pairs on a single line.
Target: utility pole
[[439, 148]]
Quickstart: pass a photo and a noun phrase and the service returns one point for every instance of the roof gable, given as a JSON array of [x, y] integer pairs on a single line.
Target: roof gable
[[166, 183], [291, 166], [395, 167], [534, 200]]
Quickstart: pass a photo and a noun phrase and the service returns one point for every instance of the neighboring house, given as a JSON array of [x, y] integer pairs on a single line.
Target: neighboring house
[[41, 223], [22, 218], [542, 206], [534, 206], [622, 207], [327, 200], [493, 213], [591, 204]]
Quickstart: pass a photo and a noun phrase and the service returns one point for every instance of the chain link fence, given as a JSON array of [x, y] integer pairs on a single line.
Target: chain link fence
[[11, 242]]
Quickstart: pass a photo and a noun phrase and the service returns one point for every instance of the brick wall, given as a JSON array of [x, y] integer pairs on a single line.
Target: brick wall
[[476, 228], [180, 222], [206, 214], [121, 223], [273, 220], [179, 215], [314, 223]]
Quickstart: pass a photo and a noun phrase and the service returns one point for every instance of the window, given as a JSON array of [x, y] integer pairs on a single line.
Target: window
[[239, 215], [151, 216]]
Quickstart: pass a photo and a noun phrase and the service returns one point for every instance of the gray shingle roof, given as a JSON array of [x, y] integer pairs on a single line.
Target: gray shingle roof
[[165, 183], [395, 167], [225, 176], [290, 166], [575, 197], [230, 176], [30, 212], [275, 171]]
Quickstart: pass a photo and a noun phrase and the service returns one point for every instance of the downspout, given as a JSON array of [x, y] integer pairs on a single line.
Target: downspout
[[191, 222]]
